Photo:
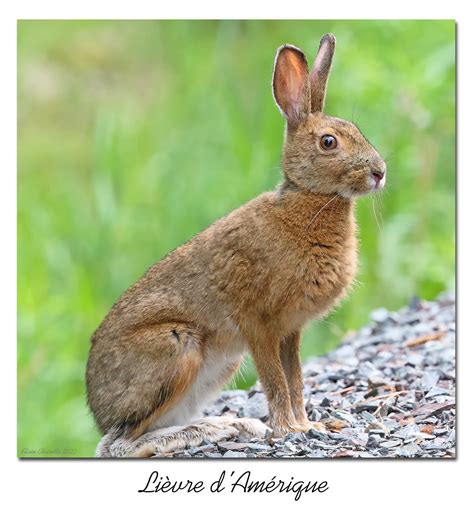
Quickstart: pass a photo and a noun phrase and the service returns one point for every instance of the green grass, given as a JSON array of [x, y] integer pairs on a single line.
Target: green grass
[[134, 136]]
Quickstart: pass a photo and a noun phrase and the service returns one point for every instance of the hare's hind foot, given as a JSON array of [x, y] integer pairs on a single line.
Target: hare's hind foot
[[212, 429], [154, 443]]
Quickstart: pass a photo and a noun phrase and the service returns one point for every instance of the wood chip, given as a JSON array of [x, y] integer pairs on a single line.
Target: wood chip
[[433, 408], [334, 424], [420, 340], [427, 428]]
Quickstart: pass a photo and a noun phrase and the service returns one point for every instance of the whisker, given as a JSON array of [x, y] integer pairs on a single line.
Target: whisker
[[375, 214], [333, 206], [380, 208], [327, 204]]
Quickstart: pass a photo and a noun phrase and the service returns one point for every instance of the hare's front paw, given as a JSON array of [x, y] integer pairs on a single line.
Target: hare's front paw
[[280, 430], [312, 425], [298, 427]]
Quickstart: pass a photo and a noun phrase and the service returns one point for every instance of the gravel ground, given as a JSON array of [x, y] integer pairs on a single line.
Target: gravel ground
[[387, 391]]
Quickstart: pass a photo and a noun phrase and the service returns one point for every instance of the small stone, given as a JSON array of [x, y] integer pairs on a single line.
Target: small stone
[[256, 406], [408, 431], [377, 432], [296, 437], [429, 380], [408, 451], [380, 315], [234, 454], [415, 359], [436, 391], [366, 407], [415, 303], [232, 446], [376, 379], [367, 369], [315, 434], [317, 454], [345, 416], [192, 451], [290, 447], [315, 415], [343, 453], [373, 441], [326, 402], [259, 447], [391, 443]]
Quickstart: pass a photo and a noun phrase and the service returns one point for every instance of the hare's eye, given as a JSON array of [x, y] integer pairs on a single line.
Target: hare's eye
[[328, 142]]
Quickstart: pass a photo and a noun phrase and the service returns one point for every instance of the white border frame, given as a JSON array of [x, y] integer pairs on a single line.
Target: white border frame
[[387, 482]]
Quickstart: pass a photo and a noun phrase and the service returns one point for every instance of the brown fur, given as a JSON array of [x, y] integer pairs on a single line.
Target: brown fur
[[321, 69], [250, 281]]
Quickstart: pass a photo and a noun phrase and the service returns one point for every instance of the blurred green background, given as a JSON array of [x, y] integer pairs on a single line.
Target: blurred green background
[[134, 136]]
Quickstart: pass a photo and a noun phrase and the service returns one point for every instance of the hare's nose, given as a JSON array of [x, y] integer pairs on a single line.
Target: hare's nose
[[378, 175]]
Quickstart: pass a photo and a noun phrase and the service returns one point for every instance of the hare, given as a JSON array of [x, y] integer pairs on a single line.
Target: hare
[[248, 283]]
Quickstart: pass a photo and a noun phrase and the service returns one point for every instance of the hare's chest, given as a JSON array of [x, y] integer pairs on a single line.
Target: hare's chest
[[328, 271], [322, 278]]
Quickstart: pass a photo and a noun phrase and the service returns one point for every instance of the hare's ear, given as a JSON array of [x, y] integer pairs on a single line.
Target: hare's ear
[[320, 73], [291, 89]]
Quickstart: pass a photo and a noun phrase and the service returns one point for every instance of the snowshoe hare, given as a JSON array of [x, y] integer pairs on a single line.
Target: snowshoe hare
[[248, 283]]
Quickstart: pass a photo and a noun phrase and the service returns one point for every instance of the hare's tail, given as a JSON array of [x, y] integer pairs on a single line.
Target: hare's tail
[[157, 442]]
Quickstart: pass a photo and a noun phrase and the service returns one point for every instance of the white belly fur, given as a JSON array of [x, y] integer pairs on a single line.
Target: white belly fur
[[209, 380]]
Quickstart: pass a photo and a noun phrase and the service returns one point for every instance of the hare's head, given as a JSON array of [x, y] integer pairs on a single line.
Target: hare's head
[[322, 153]]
